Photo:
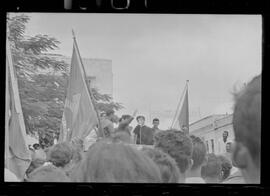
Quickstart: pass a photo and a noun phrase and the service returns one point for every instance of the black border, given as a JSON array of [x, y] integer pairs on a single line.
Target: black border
[[165, 7]]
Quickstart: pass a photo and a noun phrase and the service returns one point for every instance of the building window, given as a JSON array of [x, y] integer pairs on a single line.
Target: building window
[[212, 145], [207, 147]]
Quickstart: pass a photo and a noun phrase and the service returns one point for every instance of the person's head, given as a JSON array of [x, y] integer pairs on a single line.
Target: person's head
[[229, 147], [140, 120], [124, 117], [226, 167], [247, 129], [167, 165], [117, 162], [36, 146], [178, 145], [61, 154], [48, 173], [225, 135], [211, 172], [110, 114], [155, 122], [198, 153]]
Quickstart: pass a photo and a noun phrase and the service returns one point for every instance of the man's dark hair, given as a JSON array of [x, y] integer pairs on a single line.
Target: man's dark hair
[[109, 112], [138, 117], [177, 144], [36, 145], [199, 152], [124, 117], [247, 118], [155, 119]]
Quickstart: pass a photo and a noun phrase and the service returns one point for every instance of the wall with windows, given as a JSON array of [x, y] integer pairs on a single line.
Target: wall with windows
[[212, 132]]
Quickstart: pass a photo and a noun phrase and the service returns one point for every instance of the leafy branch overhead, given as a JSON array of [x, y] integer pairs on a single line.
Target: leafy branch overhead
[[43, 93]]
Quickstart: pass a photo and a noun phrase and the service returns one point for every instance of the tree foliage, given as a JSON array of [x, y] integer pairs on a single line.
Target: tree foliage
[[43, 94]]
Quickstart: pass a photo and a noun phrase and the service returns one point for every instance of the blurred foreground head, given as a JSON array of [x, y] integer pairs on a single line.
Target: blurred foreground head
[[178, 145], [61, 154], [48, 173], [247, 128], [167, 165], [212, 171], [117, 162]]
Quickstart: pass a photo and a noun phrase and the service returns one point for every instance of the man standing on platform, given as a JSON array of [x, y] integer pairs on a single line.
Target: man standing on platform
[[143, 134], [107, 124]]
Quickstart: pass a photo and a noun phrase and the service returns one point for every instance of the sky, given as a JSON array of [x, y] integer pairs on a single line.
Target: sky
[[154, 54]]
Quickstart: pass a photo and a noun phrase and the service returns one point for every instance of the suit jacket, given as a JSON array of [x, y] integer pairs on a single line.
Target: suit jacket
[[144, 135]]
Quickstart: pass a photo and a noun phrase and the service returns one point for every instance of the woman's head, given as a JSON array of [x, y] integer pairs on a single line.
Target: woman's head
[[117, 162]]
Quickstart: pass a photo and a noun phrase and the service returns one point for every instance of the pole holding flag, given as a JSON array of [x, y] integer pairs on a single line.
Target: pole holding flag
[[80, 115]]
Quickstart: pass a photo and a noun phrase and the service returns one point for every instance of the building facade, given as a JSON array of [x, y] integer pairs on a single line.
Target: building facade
[[211, 128]]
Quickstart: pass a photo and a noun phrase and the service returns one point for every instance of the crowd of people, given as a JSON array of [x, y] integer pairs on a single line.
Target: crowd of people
[[166, 156]]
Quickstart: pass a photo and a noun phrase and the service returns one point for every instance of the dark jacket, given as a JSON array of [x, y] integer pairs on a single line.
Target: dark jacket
[[144, 134]]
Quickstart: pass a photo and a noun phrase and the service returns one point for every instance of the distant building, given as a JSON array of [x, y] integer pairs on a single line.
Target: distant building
[[98, 72], [211, 129]]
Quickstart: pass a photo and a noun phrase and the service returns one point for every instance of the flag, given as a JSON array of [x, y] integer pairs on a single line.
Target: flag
[[182, 121], [79, 116], [17, 154]]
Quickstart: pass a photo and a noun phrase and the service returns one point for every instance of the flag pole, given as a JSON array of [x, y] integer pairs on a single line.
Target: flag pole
[[178, 106], [89, 89]]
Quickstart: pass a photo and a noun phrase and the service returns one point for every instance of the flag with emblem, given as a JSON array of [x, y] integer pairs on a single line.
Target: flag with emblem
[[79, 116], [17, 154]]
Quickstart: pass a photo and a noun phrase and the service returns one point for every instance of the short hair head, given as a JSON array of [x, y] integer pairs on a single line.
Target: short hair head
[[61, 154], [168, 167], [48, 173], [155, 120], [177, 144], [199, 152], [36, 146], [109, 112], [140, 117], [124, 117], [117, 162], [247, 118], [213, 167]]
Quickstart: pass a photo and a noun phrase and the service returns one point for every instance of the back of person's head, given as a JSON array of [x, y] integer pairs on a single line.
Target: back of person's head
[[178, 145], [226, 167], [124, 117], [117, 162], [109, 112], [211, 172], [168, 167], [199, 152], [48, 173], [36, 146], [247, 129], [61, 154], [121, 136]]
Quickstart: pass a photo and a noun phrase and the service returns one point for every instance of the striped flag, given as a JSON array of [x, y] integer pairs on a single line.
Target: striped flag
[[17, 154], [79, 116]]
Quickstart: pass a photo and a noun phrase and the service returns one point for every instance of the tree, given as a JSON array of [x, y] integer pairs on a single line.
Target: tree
[[43, 95]]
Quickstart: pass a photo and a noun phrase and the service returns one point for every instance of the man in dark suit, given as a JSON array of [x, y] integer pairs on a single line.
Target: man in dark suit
[[143, 134]]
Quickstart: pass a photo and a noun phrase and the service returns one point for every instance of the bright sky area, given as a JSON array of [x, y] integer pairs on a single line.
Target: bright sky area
[[154, 54]]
